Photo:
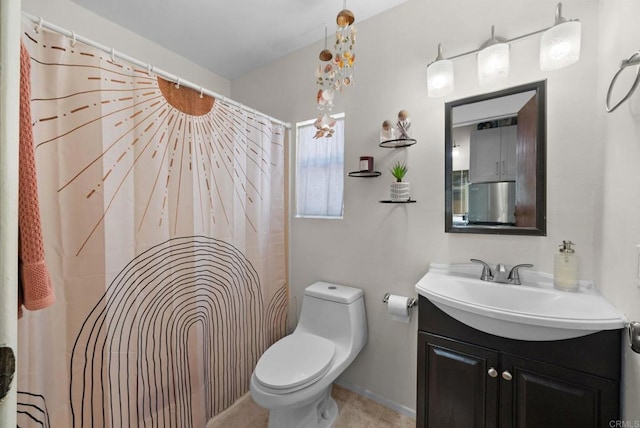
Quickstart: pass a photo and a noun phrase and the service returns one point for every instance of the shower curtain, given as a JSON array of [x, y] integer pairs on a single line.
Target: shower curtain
[[163, 222]]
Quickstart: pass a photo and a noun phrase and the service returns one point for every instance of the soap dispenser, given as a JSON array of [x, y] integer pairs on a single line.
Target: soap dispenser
[[565, 268]]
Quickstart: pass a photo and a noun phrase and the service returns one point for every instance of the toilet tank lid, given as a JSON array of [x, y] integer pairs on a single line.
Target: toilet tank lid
[[333, 292]]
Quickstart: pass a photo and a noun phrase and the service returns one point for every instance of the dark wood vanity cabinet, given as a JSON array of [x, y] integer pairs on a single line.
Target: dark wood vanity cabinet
[[453, 387], [467, 378]]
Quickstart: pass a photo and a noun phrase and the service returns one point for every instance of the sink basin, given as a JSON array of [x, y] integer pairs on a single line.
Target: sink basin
[[531, 311]]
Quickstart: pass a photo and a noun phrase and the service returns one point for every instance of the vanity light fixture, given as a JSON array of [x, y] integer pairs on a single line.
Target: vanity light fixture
[[559, 47], [493, 60], [560, 44], [440, 76]]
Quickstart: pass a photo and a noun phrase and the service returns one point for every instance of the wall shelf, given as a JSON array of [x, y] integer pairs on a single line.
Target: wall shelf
[[389, 201], [398, 143], [365, 174]]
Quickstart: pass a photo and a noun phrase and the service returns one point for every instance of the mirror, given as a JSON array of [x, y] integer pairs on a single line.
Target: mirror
[[495, 162]]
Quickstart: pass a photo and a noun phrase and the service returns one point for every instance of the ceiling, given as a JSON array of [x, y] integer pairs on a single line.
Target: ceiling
[[233, 37], [492, 109]]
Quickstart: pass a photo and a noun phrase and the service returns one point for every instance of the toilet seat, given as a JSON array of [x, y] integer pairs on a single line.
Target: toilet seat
[[295, 362]]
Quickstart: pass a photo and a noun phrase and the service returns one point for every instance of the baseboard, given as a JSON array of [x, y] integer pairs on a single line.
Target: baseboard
[[403, 410]]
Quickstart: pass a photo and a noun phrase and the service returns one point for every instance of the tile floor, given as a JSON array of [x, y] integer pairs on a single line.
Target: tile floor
[[355, 410]]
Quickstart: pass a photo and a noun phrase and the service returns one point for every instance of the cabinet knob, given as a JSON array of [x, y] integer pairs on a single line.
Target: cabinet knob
[[492, 372], [506, 375]]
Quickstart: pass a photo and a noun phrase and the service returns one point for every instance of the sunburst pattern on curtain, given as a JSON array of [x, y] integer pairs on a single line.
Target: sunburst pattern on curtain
[[163, 216], [170, 132]]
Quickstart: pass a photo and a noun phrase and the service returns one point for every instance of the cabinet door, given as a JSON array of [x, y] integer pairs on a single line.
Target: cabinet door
[[541, 395], [509, 137], [484, 155], [455, 384]]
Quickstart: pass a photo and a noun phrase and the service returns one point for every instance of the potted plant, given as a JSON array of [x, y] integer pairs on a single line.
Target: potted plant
[[399, 189]]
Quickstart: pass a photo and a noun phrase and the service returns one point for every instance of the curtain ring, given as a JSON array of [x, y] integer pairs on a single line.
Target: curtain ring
[[178, 84], [39, 27], [113, 55], [201, 90], [149, 69], [633, 60], [73, 38]]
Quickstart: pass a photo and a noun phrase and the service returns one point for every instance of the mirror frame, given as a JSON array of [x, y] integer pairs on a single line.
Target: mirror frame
[[540, 228]]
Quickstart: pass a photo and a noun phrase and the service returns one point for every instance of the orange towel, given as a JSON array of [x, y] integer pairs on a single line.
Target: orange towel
[[36, 289]]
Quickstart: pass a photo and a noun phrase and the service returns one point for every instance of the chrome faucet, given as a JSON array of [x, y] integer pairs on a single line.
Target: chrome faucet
[[501, 276]]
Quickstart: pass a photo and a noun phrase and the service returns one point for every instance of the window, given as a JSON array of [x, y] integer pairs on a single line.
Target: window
[[319, 179]]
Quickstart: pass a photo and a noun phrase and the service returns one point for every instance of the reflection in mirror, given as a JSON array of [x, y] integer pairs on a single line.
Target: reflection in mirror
[[495, 162]]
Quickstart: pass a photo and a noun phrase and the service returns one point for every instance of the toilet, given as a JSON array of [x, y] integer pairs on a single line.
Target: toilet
[[293, 377]]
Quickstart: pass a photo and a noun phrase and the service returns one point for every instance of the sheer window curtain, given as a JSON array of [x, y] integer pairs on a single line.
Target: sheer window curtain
[[320, 171]]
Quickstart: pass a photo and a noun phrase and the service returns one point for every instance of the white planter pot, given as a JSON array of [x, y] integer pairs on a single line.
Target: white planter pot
[[400, 191]]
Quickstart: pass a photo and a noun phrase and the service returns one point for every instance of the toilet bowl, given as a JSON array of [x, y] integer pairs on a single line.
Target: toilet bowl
[[293, 377]]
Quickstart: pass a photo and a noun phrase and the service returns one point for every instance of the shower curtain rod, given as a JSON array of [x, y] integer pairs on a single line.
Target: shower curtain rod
[[41, 23]]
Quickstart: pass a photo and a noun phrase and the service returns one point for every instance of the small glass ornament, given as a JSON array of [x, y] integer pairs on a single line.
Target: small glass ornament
[[387, 132]]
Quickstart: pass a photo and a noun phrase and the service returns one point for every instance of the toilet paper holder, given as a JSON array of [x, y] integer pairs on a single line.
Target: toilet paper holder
[[410, 303]]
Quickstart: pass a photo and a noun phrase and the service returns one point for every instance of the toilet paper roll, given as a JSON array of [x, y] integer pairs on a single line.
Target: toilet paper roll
[[397, 306]]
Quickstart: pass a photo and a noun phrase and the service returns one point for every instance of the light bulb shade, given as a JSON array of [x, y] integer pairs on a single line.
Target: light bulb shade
[[493, 63], [560, 45], [440, 78]]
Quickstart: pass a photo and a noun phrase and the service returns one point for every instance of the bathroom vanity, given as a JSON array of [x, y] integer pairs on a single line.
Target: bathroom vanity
[[467, 378], [566, 373]]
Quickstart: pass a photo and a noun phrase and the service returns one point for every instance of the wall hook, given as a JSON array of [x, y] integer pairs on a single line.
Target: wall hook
[[7, 369], [39, 27]]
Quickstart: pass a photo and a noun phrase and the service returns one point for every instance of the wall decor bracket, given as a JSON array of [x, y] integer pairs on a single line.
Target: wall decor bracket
[[398, 143], [365, 174]]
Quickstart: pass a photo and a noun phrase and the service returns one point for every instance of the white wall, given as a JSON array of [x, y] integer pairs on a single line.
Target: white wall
[[387, 248], [69, 15], [620, 204]]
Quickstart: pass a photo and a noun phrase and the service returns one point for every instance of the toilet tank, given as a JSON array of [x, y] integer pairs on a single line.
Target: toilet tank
[[335, 312]]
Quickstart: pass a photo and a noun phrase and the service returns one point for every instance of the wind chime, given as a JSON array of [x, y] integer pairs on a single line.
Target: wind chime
[[335, 70]]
